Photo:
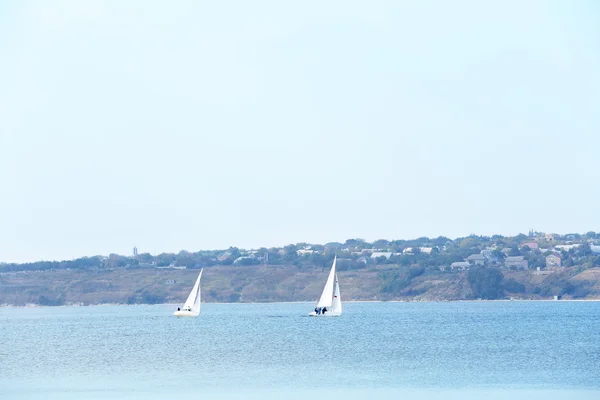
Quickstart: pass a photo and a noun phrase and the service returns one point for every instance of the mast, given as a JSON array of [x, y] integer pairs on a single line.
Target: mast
[[336, 303]]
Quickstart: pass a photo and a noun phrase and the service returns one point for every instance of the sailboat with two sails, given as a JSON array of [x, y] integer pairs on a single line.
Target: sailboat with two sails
[[330, 302], [191, 307]]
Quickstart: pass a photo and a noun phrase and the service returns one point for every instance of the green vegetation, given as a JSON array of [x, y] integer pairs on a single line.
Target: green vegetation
[[513, 286], [419, 269], [486, 283]]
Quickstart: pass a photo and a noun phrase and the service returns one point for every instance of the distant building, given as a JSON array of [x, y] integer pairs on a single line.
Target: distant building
[[365, 251], [595, 249], [550, 237], [531, 245], [460, 266], [170, 282], [305, 251], [363, 260], [425, 250], [476, 259], [553, 261], [566, 247], [378, 254], [516, 261], [489, 256], [135, 252], [147, 264]]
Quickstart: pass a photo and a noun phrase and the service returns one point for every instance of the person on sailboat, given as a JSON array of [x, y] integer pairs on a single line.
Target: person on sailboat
[[316, 310], [178, 309], [324, 310]]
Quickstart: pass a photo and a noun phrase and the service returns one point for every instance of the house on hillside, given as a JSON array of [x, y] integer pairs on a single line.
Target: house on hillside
[[531, 245], [516, 261], [595, 249], [378, 254], [460, 266], [305, 251], [550, 237], [366, 251], [554, 260], [489, 256], [424, 250], [566, 247], [476, 259]]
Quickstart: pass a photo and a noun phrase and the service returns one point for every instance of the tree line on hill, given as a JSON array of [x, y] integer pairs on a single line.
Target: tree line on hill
[[408, 272], [351, 254]]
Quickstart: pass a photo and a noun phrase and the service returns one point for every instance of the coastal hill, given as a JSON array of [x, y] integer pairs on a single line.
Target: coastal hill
[[533, 266]]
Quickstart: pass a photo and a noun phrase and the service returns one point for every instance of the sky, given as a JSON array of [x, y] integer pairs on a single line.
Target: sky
[[203, 125]]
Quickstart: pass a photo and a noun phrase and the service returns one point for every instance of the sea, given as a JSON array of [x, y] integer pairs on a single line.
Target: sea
[[375, 350]]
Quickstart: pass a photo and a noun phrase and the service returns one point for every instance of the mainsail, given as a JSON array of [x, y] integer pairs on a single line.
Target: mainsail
[[193, 300], [327, 295]]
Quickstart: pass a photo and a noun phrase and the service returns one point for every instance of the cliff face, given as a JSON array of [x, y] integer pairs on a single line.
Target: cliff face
[[277, 283]]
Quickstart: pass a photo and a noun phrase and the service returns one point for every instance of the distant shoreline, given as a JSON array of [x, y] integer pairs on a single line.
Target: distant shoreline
[[260, 284], [303, 302]]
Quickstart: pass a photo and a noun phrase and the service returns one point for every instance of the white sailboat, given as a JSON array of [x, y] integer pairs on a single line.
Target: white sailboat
[[330, 302], [191, 307]]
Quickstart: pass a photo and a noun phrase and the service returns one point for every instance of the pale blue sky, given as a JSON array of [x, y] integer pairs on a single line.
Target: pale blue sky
[[197, 125]]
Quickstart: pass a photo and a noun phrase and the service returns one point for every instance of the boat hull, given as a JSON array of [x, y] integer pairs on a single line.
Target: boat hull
[[186, 314], [327, 314]]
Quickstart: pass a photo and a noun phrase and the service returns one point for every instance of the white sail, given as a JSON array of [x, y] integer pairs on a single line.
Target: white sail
[[336, 303], [327, 295], [193, 300], [196, 306]]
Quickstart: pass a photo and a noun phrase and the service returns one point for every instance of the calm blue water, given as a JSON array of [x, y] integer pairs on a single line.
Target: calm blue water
[[501, 350]]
